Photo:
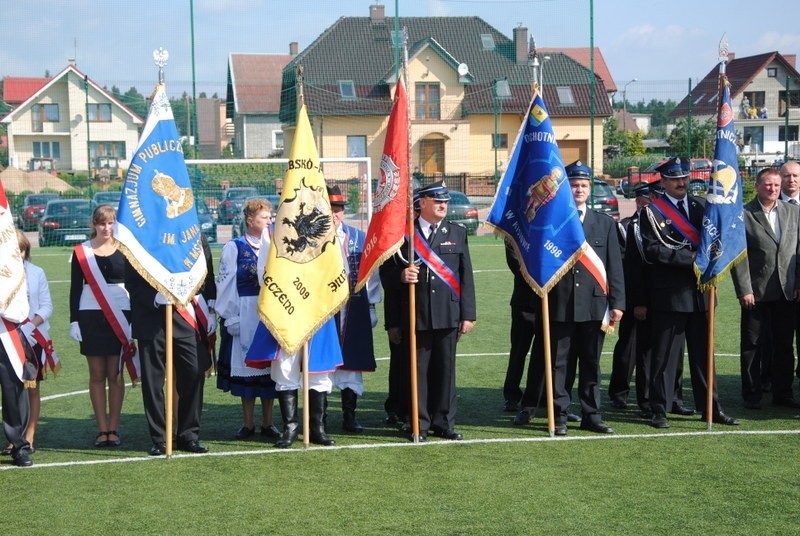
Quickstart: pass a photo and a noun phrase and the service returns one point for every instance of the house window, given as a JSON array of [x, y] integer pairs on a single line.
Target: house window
[[277, 139], [792, 133], [347, 89], [565, 96], [47, 149], [41, 113], [502, 89], [100, 113], [428, 101], [499, 141], [487, 41], [397, 38], [756, 98], [106, 148], [794, 101], [356, 146], [772, 72], [754, 137]]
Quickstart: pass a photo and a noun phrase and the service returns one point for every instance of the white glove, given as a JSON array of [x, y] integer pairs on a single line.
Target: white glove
[[212, 324], [233, 328], [27, 330], [160, 299], [373, 316], [75, 332]]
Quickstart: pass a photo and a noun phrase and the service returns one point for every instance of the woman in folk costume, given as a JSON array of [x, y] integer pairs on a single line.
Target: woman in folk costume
[[237, 301], [100, 321], [36, 330]]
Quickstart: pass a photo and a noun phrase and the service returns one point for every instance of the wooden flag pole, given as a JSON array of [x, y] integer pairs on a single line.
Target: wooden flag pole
[[548, 368], [712, 306], [306, 416], [169, 378]]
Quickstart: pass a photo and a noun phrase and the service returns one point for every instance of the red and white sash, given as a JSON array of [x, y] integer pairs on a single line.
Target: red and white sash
[[10, 339], [594, 265], [129, 356], [48, 357], [197, 317]]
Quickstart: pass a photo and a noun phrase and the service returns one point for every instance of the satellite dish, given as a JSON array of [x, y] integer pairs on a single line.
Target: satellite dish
[[463, 70]]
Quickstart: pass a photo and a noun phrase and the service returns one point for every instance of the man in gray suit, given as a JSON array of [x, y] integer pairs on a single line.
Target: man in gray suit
[[767, 284]]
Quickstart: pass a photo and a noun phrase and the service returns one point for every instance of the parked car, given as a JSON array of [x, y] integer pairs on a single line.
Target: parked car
[[238, 226], [699, 170], [66, 221], [232, 203], [32, 209], [107, 198], [603, 199], [460, 210], [207, 224]]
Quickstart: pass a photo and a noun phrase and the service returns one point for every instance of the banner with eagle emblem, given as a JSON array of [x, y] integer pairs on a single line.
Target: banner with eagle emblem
[[157, 227], [305, 281], [723, 241]]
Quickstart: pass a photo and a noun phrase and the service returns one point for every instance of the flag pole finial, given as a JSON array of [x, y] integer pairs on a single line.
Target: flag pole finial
[[160, 58]]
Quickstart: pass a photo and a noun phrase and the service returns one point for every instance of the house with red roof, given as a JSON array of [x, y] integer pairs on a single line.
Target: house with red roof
[[254, 101], [66, 122], [762, 103]]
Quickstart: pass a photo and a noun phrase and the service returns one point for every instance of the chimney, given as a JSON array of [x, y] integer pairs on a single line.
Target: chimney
[[521, 45], [377, 13], [791, 59], [293, 48]]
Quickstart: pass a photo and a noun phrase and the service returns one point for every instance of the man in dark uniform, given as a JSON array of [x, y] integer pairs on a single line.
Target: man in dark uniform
[[445, 307], [790, 193], [677, 309], [582, 304], [191, 358]]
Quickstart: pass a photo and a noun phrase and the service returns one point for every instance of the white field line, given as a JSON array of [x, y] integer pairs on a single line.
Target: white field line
[[407, 444]]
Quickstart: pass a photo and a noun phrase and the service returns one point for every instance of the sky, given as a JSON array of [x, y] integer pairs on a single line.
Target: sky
[[662, 44]]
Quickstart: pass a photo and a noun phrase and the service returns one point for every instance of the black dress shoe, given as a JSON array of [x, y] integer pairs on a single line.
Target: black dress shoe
[[270, 431], [391, 418], [245, 432], [522, 418], [752, 404], [659, 421], [786, 402], [645, 414], [423, 436], [618, 404], [21, 459], [193, 446], [452, 435], [596, 427], [721, 418], [114, 442], [158, 449], [571, 417], [509, 406], [7, 451], [560, 430], [680, 410]]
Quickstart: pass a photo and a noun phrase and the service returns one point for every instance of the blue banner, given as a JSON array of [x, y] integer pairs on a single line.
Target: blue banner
[[157, 227], [722, 235], [533, 208]]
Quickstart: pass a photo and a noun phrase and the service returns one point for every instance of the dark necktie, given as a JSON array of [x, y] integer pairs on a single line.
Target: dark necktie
[[580, 215], [682, 209], [793, 201], [431, 232]]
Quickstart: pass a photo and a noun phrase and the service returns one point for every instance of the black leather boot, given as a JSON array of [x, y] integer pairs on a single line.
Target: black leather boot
[[288, 403], [349, 403], [316, 407]]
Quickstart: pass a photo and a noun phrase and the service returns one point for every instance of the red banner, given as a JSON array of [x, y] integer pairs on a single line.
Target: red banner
[[387, 228]]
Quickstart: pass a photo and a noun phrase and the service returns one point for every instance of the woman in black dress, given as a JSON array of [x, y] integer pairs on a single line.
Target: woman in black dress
[[89, 323]]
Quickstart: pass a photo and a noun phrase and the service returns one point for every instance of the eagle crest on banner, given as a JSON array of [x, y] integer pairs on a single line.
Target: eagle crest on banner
[[306, 225]]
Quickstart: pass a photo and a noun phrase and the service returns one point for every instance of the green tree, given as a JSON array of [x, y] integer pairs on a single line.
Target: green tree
[[702, 138], [135, 101]]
